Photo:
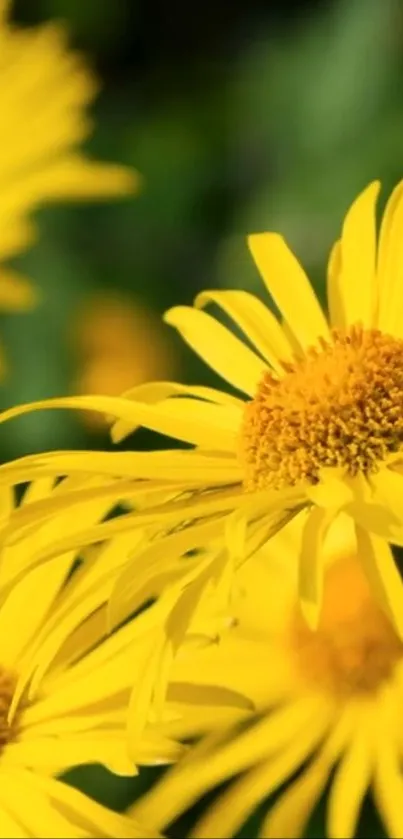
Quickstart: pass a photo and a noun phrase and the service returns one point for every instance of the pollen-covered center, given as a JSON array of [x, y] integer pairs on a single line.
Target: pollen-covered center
[[7, 686], [355, 648], [341, 405]]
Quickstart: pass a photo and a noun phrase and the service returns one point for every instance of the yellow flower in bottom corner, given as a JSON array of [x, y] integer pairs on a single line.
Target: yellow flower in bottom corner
[[327, 704], [64, 682]]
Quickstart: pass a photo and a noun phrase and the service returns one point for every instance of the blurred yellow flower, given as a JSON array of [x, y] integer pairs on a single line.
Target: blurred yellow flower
[[44, 92], [64, 682], [327, 704], [118, 342]]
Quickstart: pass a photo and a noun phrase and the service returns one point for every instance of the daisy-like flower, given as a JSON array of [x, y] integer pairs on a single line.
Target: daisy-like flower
[[327, 703], [318, 428], [44, 92], [64, 684]]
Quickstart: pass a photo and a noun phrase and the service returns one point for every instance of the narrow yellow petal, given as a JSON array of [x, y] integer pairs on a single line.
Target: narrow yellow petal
[[291, 812], [75, 178], [331, 491], [383, 575], [374, 510], [289, 286], [200, 423], [189, 467], [55, 755], [311, 563], [218, 347], [38, 816], [154, 392], [9, 826], [351, 780], [39, 587], [231, 808], [257, 322], [203, 769], [390, 265], [388, 784], [289, 816], [155, 650], [82, 810], [334, 298], [356, 279], [387, 486]]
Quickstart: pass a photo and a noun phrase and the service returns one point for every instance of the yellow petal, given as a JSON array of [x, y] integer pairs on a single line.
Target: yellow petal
[[256, 320], [139, 579], [38, 816], [356, 279], [388, 785], [200, 423], [334, 298], [231, 808], [153, 392], [82, 810], [289, 286], [291, 812], [9, 826], [54, 755], [155, 650], [204, 768], [374, 505], [351, 781], [189, 467], [39, 587], [311, 563], [390, 265], [289, 816], [332, 490], [218, 347], [387, 487], [383, 575]]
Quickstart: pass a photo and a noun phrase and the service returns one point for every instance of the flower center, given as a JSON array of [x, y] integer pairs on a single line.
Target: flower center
[[355, 648], [341, 405], [7, 686]]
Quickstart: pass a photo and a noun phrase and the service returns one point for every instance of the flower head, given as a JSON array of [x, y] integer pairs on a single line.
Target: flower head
[[314, 430], [64, 684], [326, 704]]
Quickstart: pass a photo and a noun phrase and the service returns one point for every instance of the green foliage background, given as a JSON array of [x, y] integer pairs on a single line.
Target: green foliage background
[[259, 116]]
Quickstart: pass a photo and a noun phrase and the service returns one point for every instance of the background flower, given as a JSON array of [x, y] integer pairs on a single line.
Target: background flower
[[110, 339], [325, 706], [44, 91]]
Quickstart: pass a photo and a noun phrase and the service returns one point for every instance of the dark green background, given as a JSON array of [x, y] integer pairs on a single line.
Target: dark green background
[[240, 117]]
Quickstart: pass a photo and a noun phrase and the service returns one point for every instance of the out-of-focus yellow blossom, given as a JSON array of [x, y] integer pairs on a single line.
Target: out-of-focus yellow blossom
[[327, 703], [64, 681], [45, 89], [118, 343]]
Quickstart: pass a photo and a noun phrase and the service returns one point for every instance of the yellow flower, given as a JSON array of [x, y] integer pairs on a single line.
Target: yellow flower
[[318, 429], [327, 704], [118, 343], [64, 683], [44, 92]]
